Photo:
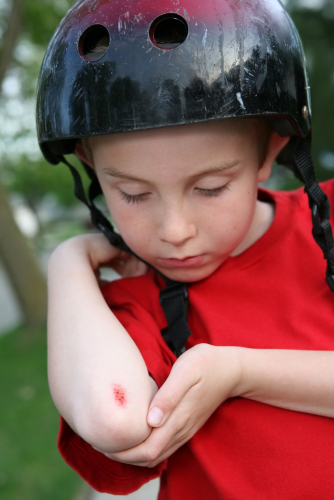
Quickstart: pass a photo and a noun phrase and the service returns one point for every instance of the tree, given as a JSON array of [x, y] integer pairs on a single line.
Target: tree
[[20, 263], [28, 25], [23, 168]]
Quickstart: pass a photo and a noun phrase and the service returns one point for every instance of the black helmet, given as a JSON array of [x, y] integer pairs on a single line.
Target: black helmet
[[121, 66], [118, 66]]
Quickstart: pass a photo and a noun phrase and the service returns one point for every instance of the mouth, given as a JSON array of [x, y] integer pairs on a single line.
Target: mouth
[[192, 261]]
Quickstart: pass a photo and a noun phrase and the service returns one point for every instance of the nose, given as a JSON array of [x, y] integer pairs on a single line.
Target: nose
[[177, 226]]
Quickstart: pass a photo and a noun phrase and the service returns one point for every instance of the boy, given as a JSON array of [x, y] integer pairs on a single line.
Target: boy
[[246, 410]]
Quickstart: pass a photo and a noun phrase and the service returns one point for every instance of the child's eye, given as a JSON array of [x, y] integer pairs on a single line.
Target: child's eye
[[133, 198], [215, 191]]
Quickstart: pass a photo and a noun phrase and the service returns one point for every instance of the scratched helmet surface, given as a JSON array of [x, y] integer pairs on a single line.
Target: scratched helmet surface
[[122, 65]]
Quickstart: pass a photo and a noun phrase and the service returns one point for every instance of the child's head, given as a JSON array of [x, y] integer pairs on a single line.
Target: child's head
[[185, 198], [115, 67]]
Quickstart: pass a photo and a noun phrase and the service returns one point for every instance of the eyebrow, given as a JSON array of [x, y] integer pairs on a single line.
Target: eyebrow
[[228, 165]]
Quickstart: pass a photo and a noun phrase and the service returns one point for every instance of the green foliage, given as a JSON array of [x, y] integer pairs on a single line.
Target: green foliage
[[35, 179], [40, 19], [316, 30], [30, 465]]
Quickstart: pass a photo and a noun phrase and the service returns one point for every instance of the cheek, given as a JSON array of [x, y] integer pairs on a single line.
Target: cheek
[[231, 220], [119, 211], [244, 211], [132, 223]]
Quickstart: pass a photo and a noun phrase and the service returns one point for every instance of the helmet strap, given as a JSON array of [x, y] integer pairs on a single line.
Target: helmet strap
[[319, 205], [98, 219], [173, 298]]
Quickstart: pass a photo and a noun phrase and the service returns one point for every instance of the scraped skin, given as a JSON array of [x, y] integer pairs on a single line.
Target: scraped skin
[[120, 395]]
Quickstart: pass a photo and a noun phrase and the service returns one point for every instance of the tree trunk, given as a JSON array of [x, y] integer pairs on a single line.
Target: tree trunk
[[24, 273], [10, 38]]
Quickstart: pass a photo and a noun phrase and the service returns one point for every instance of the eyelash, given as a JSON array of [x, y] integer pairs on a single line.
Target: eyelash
[[215, 191], [133, 198], [136, 198]]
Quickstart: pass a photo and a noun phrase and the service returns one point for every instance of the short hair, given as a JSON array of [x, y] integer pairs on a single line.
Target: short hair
[[262, 127]]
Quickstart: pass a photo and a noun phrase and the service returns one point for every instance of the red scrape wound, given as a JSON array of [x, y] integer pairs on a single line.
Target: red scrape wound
[[119, 393]]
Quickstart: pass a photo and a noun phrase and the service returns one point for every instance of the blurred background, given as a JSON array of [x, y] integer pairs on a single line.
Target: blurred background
[[38, 211]]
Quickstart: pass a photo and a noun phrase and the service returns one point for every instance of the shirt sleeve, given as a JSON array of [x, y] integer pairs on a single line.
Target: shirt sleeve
[[135, 302], [101, 473]]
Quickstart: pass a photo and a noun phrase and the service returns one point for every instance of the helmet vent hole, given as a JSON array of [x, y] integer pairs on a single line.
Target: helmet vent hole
[[94, 43], [168, 31]]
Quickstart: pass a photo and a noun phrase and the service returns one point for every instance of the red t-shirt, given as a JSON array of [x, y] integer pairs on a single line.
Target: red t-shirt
[[273, 295]]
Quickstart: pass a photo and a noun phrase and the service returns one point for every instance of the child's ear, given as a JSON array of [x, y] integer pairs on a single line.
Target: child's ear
[[80, 152], [275, 145]]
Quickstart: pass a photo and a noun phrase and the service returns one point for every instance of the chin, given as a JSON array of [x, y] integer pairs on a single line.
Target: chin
[[188, 275]]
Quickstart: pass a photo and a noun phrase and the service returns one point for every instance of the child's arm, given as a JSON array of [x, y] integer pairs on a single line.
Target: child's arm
[[98, 379], [205, 376]]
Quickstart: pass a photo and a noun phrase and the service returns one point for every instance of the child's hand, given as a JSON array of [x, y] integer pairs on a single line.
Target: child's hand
[[102, 254], [201, 379]]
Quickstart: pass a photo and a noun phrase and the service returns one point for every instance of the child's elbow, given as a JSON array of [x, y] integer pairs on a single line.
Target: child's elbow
[[114, 430], [116, 424]]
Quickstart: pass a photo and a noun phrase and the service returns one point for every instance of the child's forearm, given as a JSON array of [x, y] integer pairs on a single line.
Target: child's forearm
[[295, 380], [205, 376], [98, 378]]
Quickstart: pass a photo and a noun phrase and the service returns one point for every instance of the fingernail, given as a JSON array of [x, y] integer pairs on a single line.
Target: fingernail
[[155, 416]]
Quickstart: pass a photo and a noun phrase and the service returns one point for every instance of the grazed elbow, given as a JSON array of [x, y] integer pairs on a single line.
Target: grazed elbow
[[115, 425], [114, 430]]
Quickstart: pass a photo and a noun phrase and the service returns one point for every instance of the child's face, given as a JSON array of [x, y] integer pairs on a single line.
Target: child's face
[[183, 198]]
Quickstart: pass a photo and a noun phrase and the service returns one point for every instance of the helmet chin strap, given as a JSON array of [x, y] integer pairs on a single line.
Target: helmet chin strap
[[173, 298], [318, 202]]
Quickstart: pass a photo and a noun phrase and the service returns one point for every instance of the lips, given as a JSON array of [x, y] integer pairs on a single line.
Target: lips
[[192, 261]]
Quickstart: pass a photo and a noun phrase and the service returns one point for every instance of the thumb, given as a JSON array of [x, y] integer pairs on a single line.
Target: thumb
[[167, 398], [155, 416]]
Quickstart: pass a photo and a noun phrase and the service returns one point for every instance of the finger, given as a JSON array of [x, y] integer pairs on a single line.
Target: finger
[[167, 453], [179, 439], [180, 380], [118, 265], [145, 452], [134, 267], [152, 452], [128, 265], [157, 443], [141, 268], [119, 262]]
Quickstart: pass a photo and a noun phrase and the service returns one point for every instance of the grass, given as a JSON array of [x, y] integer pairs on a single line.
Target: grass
[[30, 465]]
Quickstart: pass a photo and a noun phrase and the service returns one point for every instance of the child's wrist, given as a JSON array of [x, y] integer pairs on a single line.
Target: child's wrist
[[235, 357], [250, 372], [240, 354], [229, 365], [226, 362]]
